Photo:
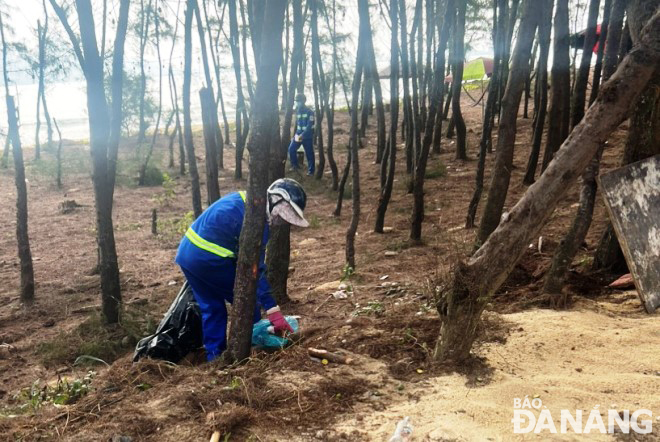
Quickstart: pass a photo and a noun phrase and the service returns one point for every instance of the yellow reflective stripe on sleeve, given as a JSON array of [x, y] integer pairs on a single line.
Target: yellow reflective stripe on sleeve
[[208, 246], [243, 195]]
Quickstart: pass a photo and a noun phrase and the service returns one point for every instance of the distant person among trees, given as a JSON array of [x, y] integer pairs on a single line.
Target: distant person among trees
[[304, 135], [208, 252]]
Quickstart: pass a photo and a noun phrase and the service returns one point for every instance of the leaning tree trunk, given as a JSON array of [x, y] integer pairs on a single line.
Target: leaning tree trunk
[[318, 80], [506, 134], [187, 122], [560, 84], [499, 18], [389, 157], [457, 81], [22, 238], [279, 245], [461, 304], [541, 91], [330, 110], [265, 124]]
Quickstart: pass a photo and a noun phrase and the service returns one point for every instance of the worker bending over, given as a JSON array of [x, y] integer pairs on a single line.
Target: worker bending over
[[208, 252]]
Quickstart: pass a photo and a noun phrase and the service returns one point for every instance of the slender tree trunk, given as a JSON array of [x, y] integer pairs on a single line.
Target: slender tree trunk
[[279, 246], [212, 186], [330, 110], [528, 80], [506, 58], [187, 122], [560, 83], [541, 91], [104, 138], [22, 238], [371, 71], [499, 19], [389, 159], [342, 184], [42, 64], [265, 125], [41, 34], [416, 126], [459, 59], [604, 25], [246, 65], [58, 156], [363, 9], [580, 90], [5, 77], [436, 100], [145, 164], [474, 282], [318, 79], [240, 100], [144, 38], [407, 101], [506, 135]]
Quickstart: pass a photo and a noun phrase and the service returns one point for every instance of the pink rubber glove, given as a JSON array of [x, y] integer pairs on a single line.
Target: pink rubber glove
[[277, 319]]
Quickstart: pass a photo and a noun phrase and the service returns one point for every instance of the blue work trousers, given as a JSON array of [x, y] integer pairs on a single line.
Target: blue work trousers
[[308, 145], [212, 287]]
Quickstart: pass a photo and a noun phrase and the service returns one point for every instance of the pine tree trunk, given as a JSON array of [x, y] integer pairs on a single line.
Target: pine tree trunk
[[22, 238], [506, 135], [435, 105], [560, 83], [459, 56], [474, 281], [363, 9], [265, 124], [604, 25], [579, 94], [208, 108], [318, 79], [187, 122], [541, 91], [240, 100], [58, 156], [144, 38], [407, 101], [388, 162], [500, 15]]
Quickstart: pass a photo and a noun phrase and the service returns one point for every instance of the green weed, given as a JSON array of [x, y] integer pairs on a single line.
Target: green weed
[[64, 392], [438, 170]]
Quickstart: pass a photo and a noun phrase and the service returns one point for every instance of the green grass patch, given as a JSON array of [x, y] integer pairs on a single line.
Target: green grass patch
[[93, 339], [437, 170]]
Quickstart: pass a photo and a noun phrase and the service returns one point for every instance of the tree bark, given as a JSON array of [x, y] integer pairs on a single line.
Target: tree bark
[[187, 122], [104, 138], [22, 238], [144, 38], [209, 128], [506, 135], [58, 156], [435, 105], [457, 81], [541, 90], [407, 100], [579, 95], [278, 254], [388, 161], [474, 281], [318, 79], [500, 14], [604, 25], [560, 83], [265, 124], [330, 110], [240, 100], [5, 78], [363, 9]]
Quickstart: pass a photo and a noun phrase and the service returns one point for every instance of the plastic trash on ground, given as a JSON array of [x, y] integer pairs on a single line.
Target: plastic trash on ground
[[263, 337], [403, 432], [179, 333]]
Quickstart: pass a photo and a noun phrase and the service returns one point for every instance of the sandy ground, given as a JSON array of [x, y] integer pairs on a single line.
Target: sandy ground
[[579, 359]]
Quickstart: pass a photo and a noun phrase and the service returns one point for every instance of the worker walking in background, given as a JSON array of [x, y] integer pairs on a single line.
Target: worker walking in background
[[208, 253], [304, 135]]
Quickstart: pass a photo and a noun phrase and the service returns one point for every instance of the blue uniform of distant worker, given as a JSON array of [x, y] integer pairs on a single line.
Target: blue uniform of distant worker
[[208, 255], [304, 135]]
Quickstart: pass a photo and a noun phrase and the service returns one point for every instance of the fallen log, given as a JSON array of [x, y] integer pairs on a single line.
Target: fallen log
[[329, 356]]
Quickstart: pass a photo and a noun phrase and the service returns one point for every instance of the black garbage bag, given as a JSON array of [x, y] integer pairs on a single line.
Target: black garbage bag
[[179, 333]]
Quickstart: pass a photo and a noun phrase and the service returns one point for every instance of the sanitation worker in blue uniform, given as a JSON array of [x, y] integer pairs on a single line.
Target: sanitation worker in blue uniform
[[304, 135], [208, 252]]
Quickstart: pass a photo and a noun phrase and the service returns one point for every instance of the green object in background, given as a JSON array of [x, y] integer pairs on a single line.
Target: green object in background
[[477, 69]]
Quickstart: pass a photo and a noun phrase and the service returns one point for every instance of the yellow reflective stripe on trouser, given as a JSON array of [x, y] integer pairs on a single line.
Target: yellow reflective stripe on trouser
[[209, 246]]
